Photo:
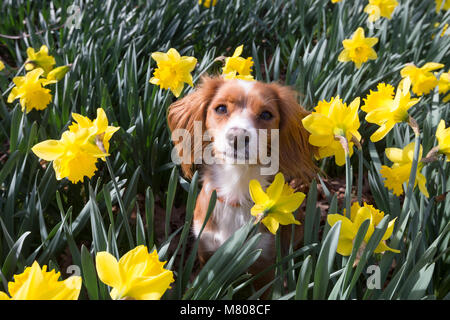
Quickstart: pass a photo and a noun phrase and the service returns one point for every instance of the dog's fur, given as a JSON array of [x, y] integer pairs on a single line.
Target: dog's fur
[[244, 101]]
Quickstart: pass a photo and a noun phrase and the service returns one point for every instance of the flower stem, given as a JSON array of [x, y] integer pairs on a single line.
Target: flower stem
[[122, 207], [360, 168], [348, 185], [277, 289], [360, 175], [348, 173], [412, 179], [397, 236]]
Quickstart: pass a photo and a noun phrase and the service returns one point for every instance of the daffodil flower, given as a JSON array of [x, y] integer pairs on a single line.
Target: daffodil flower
[[173, 70], [40, 59], [400, 171], [385, 110], [237, 67], [443, 138], [329, 120], [207, 3], [422, 79], [275, 206], [358, 49], [97, 128], [75, 155], [2, 65], [39, 284], [137, 275], [380, 8], [350, 227], [31, 92]]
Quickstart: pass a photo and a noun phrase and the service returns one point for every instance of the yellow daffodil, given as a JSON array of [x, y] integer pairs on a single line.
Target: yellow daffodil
[[443, 138], [444, 85], [399, 173], [207, 3], [173, 70], [75, 155], [2, 65], [385, 110], [442, 5], [39, 59], [329, 120], [39, 284], [237, 67], [358, 49], [335, 1], [380, 8], [275, 206], [350, 227], [137, 275], [31, 92], [97, 128], [422, 79]]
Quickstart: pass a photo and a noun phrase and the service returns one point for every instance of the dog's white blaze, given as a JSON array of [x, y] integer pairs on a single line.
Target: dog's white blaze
[[246, 85]]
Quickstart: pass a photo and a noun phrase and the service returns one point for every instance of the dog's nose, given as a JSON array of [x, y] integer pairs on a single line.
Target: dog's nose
[[238, 137]]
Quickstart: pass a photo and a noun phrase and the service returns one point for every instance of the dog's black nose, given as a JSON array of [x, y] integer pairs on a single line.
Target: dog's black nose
[[238, 138]]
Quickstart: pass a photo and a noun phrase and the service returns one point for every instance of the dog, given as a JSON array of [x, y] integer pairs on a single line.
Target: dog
[[232, 114]]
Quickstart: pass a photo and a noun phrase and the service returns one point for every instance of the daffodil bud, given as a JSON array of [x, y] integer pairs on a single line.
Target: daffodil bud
[[58, 73]]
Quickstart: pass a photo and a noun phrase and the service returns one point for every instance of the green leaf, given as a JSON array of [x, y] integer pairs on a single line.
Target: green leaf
[[89, 274], [325, 262], [10, 263]]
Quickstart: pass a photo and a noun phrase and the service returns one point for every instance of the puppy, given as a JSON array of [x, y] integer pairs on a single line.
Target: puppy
[[236, 120]]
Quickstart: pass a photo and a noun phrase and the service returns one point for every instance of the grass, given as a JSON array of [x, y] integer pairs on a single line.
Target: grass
[[293, 42]]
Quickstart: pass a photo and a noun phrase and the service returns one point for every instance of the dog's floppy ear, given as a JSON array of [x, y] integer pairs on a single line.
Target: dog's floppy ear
[[296, 154], [188, 112]]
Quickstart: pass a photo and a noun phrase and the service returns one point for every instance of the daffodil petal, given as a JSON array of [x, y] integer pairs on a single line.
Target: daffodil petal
[[256, 192], [347, 229], [345, 246], [284, 218], [4, 296], [382, 247], [389, 229], [49, 150], [276, 188], [271, 224], [108, 269], [289, 203]]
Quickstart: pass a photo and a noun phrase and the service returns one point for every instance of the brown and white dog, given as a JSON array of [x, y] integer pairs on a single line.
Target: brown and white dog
[[233, 113]]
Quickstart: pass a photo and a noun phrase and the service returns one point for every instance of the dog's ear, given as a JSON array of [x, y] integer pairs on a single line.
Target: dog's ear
[[296, 154], [186, 114]]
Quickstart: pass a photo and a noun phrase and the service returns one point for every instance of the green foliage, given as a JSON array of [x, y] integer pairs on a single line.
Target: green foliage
[[294, 42]]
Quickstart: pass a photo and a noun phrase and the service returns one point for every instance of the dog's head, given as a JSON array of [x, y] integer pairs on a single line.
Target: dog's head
[[235, 114]]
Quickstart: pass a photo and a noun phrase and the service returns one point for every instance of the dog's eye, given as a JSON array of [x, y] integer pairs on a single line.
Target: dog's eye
[[265, 115], [221, 109]]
